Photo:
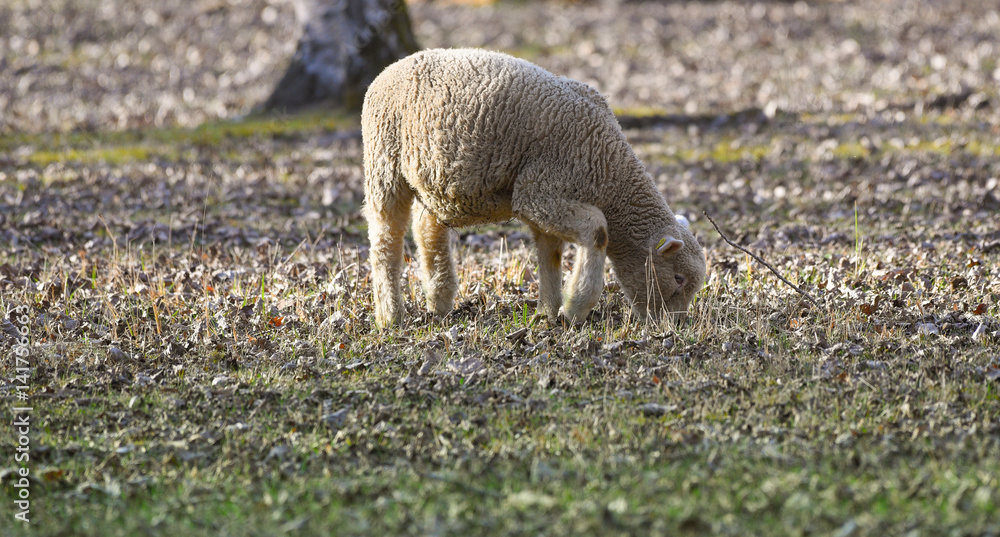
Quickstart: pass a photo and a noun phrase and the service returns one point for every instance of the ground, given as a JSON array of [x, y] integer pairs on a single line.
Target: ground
[[193, 277]]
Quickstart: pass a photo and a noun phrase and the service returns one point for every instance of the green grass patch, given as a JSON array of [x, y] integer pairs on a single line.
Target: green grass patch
[[118, 147]]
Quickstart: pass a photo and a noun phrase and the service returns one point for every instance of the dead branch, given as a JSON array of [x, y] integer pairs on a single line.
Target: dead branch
[[761, 261]]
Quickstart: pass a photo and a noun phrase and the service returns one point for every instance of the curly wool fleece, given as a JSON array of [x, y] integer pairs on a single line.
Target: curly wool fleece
[[475, 136]]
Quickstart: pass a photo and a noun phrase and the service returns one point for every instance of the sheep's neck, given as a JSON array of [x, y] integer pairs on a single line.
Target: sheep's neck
[[635, 214]]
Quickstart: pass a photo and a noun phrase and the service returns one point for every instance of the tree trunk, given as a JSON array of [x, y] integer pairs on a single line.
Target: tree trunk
[[344, 45]]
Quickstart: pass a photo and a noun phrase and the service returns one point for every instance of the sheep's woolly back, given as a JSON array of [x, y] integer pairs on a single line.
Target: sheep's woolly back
[[461, 125]]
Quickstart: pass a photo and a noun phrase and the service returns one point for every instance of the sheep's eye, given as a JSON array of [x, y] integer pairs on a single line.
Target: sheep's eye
[[679, 279]]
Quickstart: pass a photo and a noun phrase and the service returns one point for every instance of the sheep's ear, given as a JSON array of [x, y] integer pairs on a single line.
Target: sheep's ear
[[669, 245], [682, 220]]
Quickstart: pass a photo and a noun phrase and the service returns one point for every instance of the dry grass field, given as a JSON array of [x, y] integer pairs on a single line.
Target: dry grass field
[[193, 280]]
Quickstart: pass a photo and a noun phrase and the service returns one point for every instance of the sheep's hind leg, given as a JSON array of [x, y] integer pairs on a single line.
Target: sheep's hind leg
[[387, 217], [436, 263], [549, 250], [584, 225]]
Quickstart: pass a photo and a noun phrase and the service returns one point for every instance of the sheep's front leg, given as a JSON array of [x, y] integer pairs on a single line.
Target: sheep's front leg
[[387, 219], [436, 264], [587, 281], [576, 222], [549, 249]]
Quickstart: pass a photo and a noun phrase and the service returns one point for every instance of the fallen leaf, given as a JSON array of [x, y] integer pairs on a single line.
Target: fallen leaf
[[517, 335], [993, 373], [906, 289], [655, 409], [222, 379], [293, 526], [431, 359], [467, 367], [980, 332], [356, 365], [53, 474], [336, 419], [528, 498], [927, 328], [278, 452]]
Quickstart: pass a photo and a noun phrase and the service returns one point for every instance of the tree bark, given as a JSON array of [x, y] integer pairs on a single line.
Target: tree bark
[[344, 45]]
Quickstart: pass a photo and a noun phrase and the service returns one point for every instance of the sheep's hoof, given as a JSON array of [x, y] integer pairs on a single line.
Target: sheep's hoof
[[575, 318], [440, 308], [389, 319]]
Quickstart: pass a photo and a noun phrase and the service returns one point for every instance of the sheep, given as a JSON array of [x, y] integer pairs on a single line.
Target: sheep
[[472, 137]]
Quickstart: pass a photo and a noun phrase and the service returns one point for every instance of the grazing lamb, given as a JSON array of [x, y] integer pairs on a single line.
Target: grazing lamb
[[474, 137]]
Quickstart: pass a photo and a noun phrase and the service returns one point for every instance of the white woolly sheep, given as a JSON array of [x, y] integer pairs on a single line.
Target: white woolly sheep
[[474, 137]]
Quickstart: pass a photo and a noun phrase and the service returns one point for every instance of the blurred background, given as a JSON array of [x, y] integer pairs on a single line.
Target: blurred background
[[131, 64]]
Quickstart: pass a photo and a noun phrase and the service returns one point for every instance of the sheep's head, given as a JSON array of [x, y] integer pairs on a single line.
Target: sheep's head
[[664, 276]]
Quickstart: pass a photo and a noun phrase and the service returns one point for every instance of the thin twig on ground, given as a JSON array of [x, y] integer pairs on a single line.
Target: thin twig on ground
[[761, 261]]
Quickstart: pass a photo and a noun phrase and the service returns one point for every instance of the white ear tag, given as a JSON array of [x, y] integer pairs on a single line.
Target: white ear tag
[[682, 220]]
